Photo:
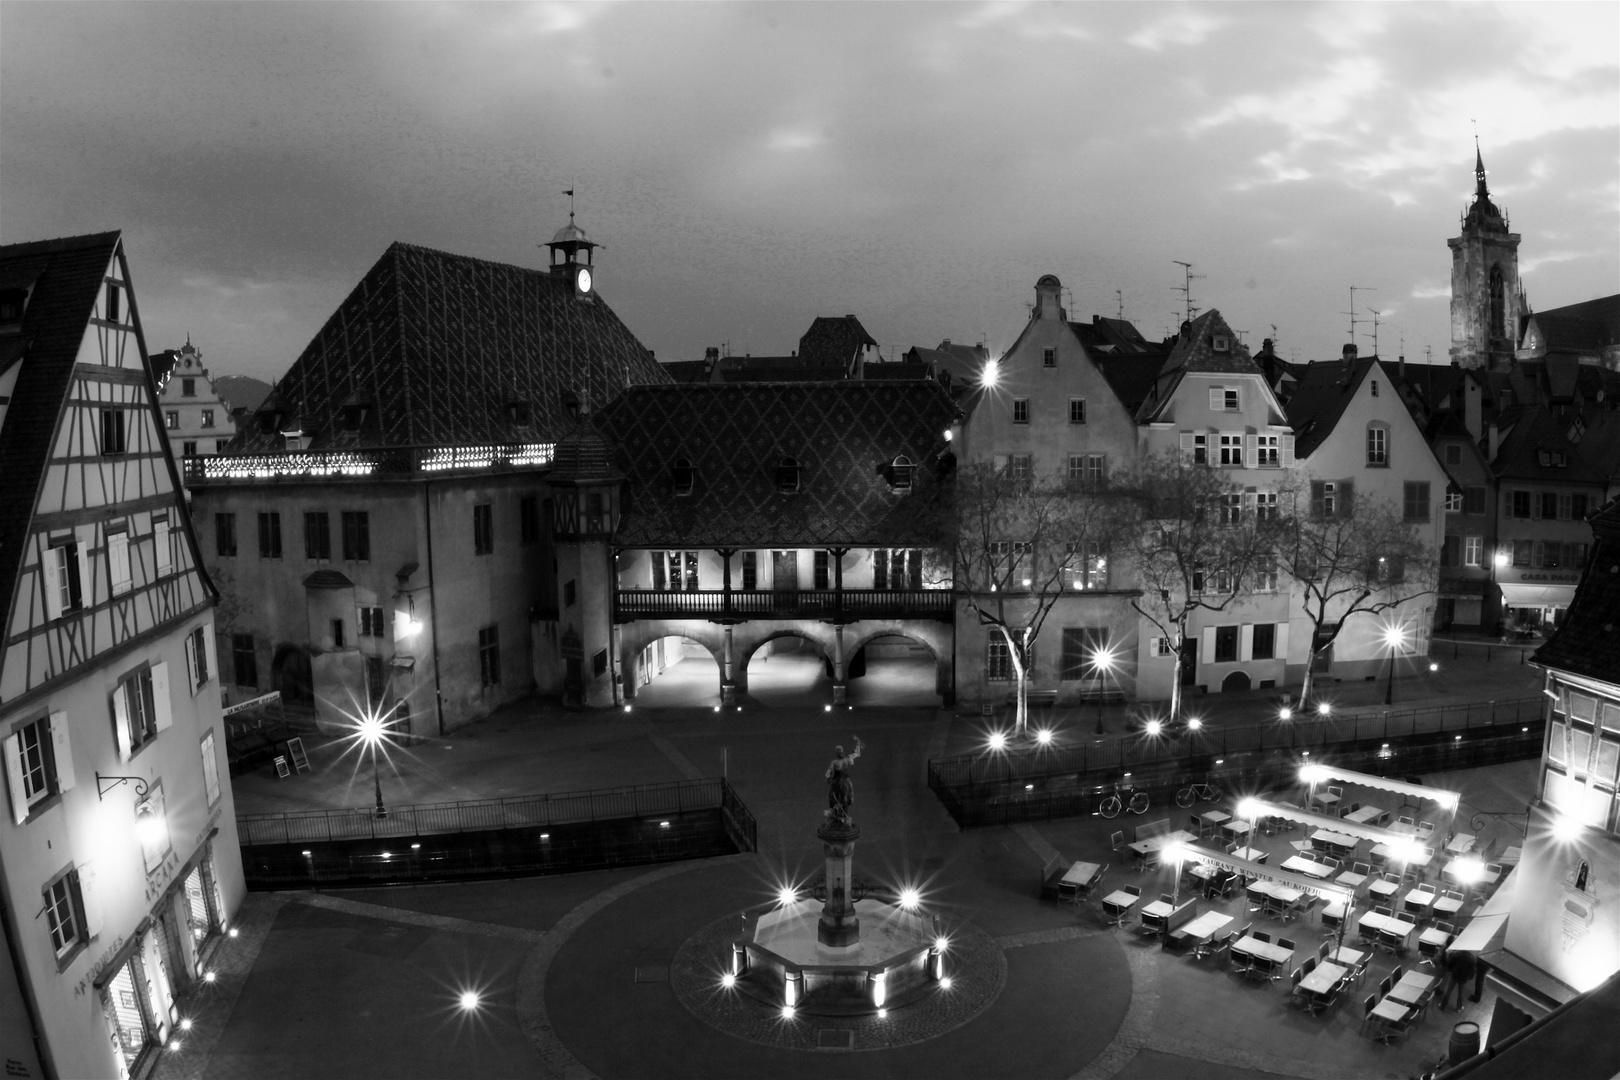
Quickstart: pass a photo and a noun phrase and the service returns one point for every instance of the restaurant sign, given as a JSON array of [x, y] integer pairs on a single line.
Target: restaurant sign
[[1254, 870]]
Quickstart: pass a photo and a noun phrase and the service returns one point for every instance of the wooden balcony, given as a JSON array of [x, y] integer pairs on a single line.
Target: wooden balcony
[[844, 605]]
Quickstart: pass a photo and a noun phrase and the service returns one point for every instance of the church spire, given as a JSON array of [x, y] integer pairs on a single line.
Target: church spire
[[1479, 172]]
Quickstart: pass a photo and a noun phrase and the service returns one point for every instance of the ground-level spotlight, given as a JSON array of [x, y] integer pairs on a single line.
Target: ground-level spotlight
[[998, 740], [1285, 713], [1323, 709], [663, 824], [1154, 727], [210, 977], [941, 943], [232, 931], [627, 708], [717, 708], [416, 847], [185, 1023], [728, 980], [469, 1000], [1044, 736], [174, 1044], [787, 1012], [910, 899], [883, 1014], [1433, 666], [945, 983], [1195, 724], [826, 708]]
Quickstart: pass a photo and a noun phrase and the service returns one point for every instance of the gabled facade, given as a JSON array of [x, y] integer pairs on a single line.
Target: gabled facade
[[196, 419], [381, 524], [1212, 404], [753, 513], [1047, 409], [118, 852], [1467, 598], [1355, 437]]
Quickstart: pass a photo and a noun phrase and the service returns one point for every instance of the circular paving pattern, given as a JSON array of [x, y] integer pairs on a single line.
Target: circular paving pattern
[[976, 965]]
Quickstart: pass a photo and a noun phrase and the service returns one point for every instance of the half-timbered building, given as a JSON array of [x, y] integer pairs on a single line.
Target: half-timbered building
[[118, 854], [753, 513], [379, 528]]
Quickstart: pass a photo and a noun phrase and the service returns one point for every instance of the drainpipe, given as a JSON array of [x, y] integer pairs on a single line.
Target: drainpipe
[[433, 608]]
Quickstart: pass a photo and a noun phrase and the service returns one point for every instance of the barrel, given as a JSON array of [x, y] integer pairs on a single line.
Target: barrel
[[1464, 1041]]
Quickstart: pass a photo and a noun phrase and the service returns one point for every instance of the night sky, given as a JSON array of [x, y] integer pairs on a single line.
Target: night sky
[[751, 166]]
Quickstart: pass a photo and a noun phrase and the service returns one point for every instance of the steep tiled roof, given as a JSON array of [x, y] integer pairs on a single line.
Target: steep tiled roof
[[1321, 398], [66, 276], [891, 371], [962, 362], [440, 346], [1533, 431], [688, 371], [1131, 376], [1588, 641], [844, 435], [833, 341], [1432, 383], [1585, 327], [1194, 351]]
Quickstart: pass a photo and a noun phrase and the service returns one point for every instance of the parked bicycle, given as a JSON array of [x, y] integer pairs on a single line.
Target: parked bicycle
[[1124, 797], [1197, 791]]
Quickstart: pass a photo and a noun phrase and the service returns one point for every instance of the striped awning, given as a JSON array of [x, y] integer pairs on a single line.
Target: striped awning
[[1447, 799]]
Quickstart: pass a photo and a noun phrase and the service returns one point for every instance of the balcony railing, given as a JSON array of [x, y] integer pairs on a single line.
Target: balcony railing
[[378, 463], [632, 604]]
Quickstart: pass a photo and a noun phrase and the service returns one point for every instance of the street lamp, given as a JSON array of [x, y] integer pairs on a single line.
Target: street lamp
[[1394, 637], [372, 732], [1102, 661], [1174, 854]]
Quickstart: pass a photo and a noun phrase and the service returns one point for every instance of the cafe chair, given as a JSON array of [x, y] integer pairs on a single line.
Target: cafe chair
[[1425, 830], [1294, 978], [1323, 952], [1332, 919], [1285, 943], [1406, 819], [1430, 952], [1261, 935], [1367, 1008], [1385, 986], [1377, 858], [1257, 899], [1396, 975], [1117, 841], [1241, 963], [1243, 933], [1391, 1030], [1068, 892], [1322, 1003], [1150, 861]]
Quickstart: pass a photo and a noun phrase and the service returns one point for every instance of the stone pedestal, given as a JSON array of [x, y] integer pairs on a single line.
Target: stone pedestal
[[840, 693], [839, 927]]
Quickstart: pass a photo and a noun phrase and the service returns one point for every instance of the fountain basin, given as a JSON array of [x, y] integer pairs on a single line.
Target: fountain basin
[[893, 963]]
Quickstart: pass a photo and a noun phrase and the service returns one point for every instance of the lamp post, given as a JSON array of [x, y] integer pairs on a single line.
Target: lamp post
[[371, 733], [1394, 636], [1101, 661]]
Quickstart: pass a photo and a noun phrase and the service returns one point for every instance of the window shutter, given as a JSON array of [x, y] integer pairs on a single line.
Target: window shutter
[[63, 750], [1535, 508], [191, 662], [1346, 495], [210, 649], [1217, 399], [162, 704], [14, 778], [120, 706], [1288, 449], [52, 577], [163, 547], [1206, 650], [1251, 450], [1318, 497], [1246, 642], [118, 561], [1280, 646], [90, 898], [1538, 554], [210, 764], [1187, 443], [81, 555]]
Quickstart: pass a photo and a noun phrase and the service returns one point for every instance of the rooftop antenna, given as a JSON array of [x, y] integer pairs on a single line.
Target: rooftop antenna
[[1352, 312], [1240, 334], [1119, 295], [1070, 293], [1185, 289], [1428, 354], [1274, 337], [1375, 314]]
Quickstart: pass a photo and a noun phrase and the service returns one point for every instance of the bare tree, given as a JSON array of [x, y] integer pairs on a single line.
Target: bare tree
[[1349, 556], [1196, 544], [1008, 543]]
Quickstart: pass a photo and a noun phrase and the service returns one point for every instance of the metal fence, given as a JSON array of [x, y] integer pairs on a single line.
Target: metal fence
[[484, 815], [1000, 788]]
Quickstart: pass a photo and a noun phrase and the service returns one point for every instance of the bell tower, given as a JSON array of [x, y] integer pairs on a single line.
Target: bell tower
[[567, 249], [1486, 299]]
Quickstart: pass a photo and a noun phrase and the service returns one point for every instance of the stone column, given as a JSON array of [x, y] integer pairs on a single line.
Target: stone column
[[728, 687], [839, 926], [840, 668]]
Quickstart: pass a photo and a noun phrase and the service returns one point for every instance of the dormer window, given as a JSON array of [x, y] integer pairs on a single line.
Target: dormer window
[[1375, 388], [12, 302], [519, 413], [1551, 459], [354, 416], [682, 476], [787, 475], [1221, 343], [900, 474], [1223, 399]]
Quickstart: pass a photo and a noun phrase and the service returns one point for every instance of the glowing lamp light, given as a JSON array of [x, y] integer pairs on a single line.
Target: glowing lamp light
[[185, 1023], [787, 1012], [1285, 713], [1323, 709], [1310, 774], [826, 708], [998, 740], [1194, 724], [1501, 558], [174, 1044], [991, 374], [1565, 827], [1044, 736], [786, 895], [210, 977], [941, 943], [1248, 808], [627, 708], [1103, 659], [1154, 727], [883, 1014], [1433, 666], [1174, 852], [910, 899], [945, 983], [150, 828], [468, 1000], [949, 434], [232, 931], [1395, 636], [1468, 871], [728, 980]]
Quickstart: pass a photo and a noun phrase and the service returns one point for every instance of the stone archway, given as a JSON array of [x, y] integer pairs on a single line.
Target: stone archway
[[784, 665], [680, 651], [896, 665], [937, 638], [290, 673], [1235, 680]]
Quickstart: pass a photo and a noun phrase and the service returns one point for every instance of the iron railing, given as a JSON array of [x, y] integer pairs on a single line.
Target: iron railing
[[632, 604], [484, 815], [375, 463], [996, 788]]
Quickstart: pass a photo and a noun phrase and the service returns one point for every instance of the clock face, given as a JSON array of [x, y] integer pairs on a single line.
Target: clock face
[[582, 280]]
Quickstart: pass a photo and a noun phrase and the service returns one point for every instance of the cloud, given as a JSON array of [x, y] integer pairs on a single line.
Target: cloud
[[1183, 26], [1430, 290], [793, 139]]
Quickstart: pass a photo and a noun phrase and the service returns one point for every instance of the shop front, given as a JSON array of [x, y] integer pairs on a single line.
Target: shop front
[[1534, 608]]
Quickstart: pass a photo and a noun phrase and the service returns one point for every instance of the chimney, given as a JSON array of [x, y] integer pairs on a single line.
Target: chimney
[[711, 354], [1349, 353], [1403, 367], [1496, 440], [1472, 418]]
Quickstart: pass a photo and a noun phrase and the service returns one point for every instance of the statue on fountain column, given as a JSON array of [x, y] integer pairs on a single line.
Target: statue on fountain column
[[840, 788]]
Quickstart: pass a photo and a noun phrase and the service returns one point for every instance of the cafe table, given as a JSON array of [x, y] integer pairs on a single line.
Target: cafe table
[[1419, 861], [1397, 931], [1082, 875], [1366, 815], [1449, 904], [1408, 828], [1236, 829], [1391, 1011], [1325, 798], [1298, 864], [1200, 933], [1353, 959], [1412, 987], [1383, 890], [1351, 880], [1438, 939], [1341, 843], [1251, 854], [1142, 848], [1418, 901], [1214, 819], [1461, 843], [1264, 950], [1322, 981], [1119, 903]]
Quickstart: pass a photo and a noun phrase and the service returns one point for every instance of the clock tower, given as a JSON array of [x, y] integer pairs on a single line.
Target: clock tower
[[1486, 299], [571, 258]]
